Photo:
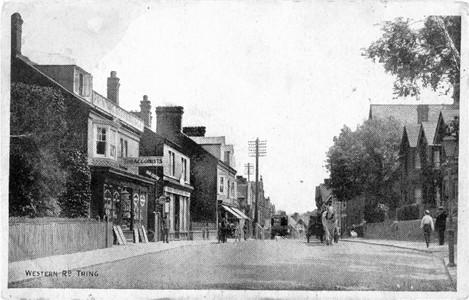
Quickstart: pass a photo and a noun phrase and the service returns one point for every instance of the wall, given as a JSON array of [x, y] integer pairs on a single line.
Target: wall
[[401, 230], [33, 238]]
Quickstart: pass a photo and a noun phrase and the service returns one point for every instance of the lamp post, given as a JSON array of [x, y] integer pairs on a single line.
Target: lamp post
[[449, 146]]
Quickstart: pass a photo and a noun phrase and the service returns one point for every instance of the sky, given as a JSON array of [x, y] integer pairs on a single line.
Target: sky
[[287, 72]]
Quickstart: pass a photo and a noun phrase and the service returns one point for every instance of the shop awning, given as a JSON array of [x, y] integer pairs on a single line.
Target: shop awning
[[231, 211], [240, 213]]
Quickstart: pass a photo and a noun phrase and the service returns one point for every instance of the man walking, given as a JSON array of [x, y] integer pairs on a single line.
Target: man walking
[[440, 224], [166, 229], [427, 225]]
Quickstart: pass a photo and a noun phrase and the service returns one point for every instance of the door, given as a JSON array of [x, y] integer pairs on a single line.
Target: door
[[176, 216]]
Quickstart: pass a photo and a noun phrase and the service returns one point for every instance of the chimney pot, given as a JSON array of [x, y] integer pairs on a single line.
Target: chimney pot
[[145, 111]]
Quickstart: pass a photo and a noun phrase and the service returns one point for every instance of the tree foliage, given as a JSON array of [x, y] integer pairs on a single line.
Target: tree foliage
[[36, 176], [46, 178], [363, 162], [423, 57]]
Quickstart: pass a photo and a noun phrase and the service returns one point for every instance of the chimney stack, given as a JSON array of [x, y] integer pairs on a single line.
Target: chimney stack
[[16, 31], [422, 113], [194, 130], [169, 119], [113, 88], [145, 111]]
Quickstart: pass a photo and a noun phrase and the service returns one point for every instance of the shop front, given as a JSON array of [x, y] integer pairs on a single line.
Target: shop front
[[177, 208], [120, 197], [233, 215]]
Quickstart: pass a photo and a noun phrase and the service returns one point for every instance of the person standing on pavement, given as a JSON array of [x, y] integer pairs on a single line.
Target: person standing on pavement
[[440, 224], [245, 230], [166, 229], [427, 225]]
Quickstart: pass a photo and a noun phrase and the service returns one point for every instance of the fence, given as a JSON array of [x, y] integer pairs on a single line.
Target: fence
[[399, 230], [34, 238]]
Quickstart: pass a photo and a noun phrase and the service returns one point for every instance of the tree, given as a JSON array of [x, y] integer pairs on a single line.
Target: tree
[[36, 176], [363, 163], [423, 57], [49, 172]]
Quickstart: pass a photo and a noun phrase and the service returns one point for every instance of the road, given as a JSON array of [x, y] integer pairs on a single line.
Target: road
[[273, 265]]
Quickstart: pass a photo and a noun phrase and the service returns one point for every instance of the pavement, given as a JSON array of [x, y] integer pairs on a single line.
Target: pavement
[[439, 251], [73, 261]]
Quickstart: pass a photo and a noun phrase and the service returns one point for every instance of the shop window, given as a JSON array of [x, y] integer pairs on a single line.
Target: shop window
[[101, 141]]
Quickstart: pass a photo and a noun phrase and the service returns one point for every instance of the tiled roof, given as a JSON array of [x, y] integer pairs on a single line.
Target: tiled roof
[[405, 114], [430, 131], [413, 131], [103, 162]]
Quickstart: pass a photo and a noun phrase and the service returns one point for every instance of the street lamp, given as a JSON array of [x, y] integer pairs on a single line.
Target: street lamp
[[449, 146]]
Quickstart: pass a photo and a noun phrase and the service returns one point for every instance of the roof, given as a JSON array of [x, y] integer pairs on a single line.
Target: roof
[[208, 140], [429, 128], [405, 113], [325, 192], [413, 131], [448, 115]]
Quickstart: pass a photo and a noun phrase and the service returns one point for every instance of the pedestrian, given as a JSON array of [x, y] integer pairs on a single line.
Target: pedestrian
[[440, 224], [427, 225], [166, 229], [223, 230], [245, 230]]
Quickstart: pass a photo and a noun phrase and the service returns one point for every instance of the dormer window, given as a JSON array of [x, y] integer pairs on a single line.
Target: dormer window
[[82, 84]]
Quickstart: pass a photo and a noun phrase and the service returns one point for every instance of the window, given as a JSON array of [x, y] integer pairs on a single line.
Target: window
[[184, 168], [81, 85], [126, 149], [112, 143], [233, 190], [221, 185], [172, 163], [101, 141], [417, 159], [418, 195], [121, 149], [436, 158]]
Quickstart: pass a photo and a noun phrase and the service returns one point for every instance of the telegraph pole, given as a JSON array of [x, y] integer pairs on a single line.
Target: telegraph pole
[[257, 148]]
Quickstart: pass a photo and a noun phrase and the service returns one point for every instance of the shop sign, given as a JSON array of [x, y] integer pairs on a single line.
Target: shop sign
[[152, 175], [142, 161], [171, 190]]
